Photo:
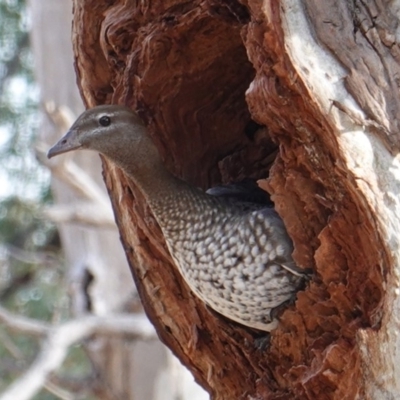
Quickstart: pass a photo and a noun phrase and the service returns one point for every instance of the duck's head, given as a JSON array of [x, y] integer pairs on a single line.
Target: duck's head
[[114, 131]]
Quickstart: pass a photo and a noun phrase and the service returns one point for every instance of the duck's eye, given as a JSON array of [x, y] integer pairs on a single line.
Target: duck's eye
[[105, 120]]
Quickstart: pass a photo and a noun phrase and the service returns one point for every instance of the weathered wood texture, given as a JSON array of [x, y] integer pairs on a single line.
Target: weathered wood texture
[[186, 67]]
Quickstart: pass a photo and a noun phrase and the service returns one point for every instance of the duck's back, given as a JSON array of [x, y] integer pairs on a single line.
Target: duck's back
[[235, 255]]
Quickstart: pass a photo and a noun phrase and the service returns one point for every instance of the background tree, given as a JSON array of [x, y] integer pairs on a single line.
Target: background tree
[[321, 77], [30, 267]]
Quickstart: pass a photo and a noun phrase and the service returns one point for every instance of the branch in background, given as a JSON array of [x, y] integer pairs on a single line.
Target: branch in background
[[23, 324], [15, 284], [59, 338], [78, 386], [64, 169], [84, 213], [10, 346], [30, 257], [61, 116], [59, 392]]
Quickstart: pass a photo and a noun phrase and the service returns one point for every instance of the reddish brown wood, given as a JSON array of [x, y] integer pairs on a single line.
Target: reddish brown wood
[[185, 66]]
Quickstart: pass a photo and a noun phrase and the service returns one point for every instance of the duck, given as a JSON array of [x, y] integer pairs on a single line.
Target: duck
[[236, 256]]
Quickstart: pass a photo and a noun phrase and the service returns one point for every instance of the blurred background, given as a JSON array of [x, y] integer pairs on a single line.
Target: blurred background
[[71, 323]]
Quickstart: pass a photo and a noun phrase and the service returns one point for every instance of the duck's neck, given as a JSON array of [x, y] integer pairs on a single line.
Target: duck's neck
[[168, 196]]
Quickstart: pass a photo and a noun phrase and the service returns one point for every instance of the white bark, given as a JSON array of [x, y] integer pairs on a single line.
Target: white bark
[[60, 338], [377, 175]]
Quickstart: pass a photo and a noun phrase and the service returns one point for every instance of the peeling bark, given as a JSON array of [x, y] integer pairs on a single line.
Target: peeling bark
[[322, 78]]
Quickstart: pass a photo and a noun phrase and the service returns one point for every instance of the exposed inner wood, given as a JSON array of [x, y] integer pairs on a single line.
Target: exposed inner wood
[[186, 67]]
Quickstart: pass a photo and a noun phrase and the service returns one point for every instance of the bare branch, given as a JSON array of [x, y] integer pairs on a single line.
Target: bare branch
[[59, 392], [84, 213], [30, 257], [61, 116], [95, 211], [23, 324], [9, 344], [61, 337], [64, 169]]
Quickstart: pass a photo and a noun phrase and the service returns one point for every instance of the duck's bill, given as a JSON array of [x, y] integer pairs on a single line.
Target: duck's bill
[[67, 143]]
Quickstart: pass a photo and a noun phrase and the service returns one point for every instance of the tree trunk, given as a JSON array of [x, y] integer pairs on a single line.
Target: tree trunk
[[322, 77]]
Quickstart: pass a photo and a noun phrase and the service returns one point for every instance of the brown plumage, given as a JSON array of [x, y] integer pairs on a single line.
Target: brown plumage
[[236, 257]]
